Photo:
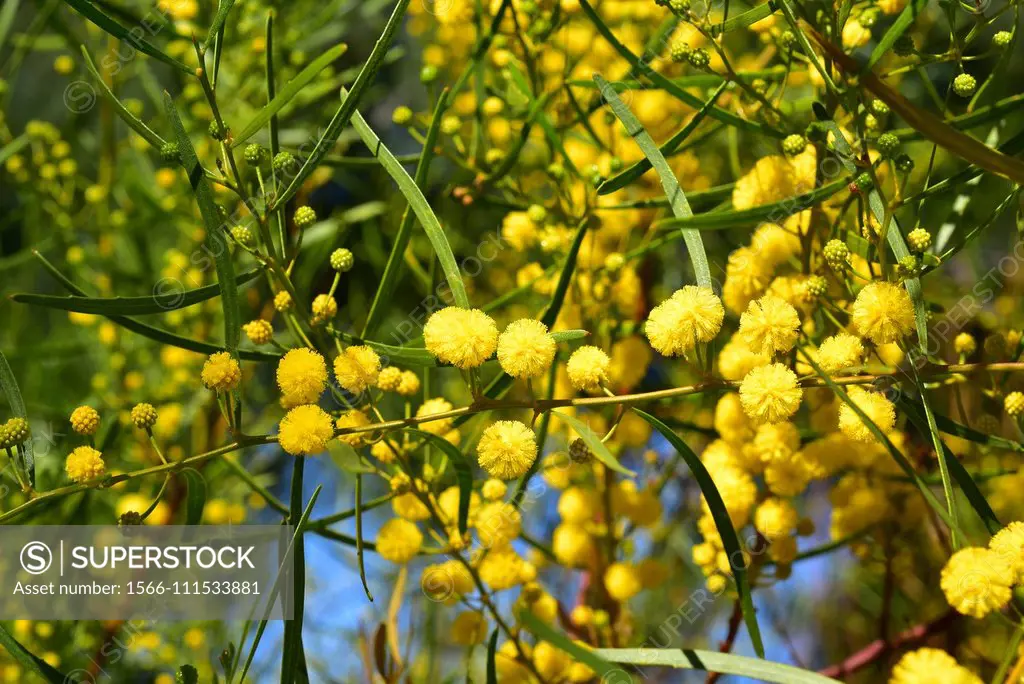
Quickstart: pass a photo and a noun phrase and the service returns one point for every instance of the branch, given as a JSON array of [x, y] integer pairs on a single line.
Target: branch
[[880, 648]]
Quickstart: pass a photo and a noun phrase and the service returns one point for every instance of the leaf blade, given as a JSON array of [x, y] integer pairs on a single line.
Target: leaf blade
[[93, 14], [594, 443]]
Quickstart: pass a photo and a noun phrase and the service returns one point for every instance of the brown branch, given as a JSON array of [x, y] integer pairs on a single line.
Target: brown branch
[[730, 639], [880, 648]]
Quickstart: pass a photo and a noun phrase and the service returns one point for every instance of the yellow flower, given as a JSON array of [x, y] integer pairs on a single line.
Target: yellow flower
[[572, 545], [357, 369], [976, 581], [497, 523], [855, 34], [259, 331], [494, 489], [588, 368], [1008, 543], [469, 627], [305, 430], [431, 407], [622, 581], [840, 351], [390, 379], [691, 315], [399, 540], [736, 359], [770, 394], [776, 518], [85, 420], [769, 325], [409, 385], [507, 449], [502, 568], [84, 463], [221, 372], [883, 312], [302, 376], [324, 309], [923, 665], [353, 418], [465, 338], [879, 409], [525, 349]]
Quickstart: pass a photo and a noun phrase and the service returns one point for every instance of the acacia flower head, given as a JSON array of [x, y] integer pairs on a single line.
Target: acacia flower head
[[883, 312], [85, 420], [507, 449], [976, 581], [465, 338], [875, 406], [302, 376], [525, 349], [305, 430], [770, 394], [221, 372], [399, 540], [588, 368], [690, 316], [84, 463], [357, 369], [769, 325]]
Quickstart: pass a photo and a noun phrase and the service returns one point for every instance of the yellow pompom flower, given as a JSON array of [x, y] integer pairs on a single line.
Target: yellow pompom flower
[[840, 351], [432, 407], [622, 581], [879, 409], [465, 338], [690, 316], [353, 418], [84, 463], [357, 369], [923, 665], [776, 518], [409, 385], [302, 376], [494, 489], [305, 430], [468, 628], [259, 331], [221, 372], [525, 349], [736, 359], [1008, 544], [1013, 404], [324, 309], [572, 545], [85, 420], [390, 379], [976, 582], [497, 523], [507, 449], [769, 325], [883, 312], [588, 368], [399, 540], [770, 394]]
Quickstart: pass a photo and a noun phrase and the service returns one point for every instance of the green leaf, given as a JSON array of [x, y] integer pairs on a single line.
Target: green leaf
[[670, 87], [9, 385], [671, 145], [93, 14], [130, 306], [492, 652], [157, 334], [396, 260], [714, 661], [463, 472], [776, 211], [211, 219], [751, 16], [31, 662], [723, 523], [346, 458], [587, 656], [7, 14], [898, 28], [133, 121], [675, 194], [359, 536], [975, 497], [290, 90], [568, 335], [554, 307], [195, 497], [348, 106], [13, 147], [419, 205], [411, 356], [223, 7], [599, 448]]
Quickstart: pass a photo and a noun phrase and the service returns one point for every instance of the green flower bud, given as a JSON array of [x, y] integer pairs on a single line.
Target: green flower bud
[[402, 116], [680, 51], [904, 163], [243, 235], [964, 85], [186, 674], [169, 152], [887, 144], [304, 217], [255, 154], [919, 240], [794, 144], [283, 162], [1002, 39], [428, 74], [216, 132], [342, 260], [837, 255], [15, 431], [699, 58]]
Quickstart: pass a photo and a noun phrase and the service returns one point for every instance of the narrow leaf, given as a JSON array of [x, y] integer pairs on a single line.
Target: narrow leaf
[[289, 91], [898, 28], [31, 662], [714, 661], [214, 232], [9, 385], [348, 105], [568, 335], [133, 121], [582, 654], [223, 8], [156, 303], [675, 194], [751, 16], [418, 203], [195, 498], [463, 472], [93, 14], [723, 523], [594, 443], [492, 652]]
